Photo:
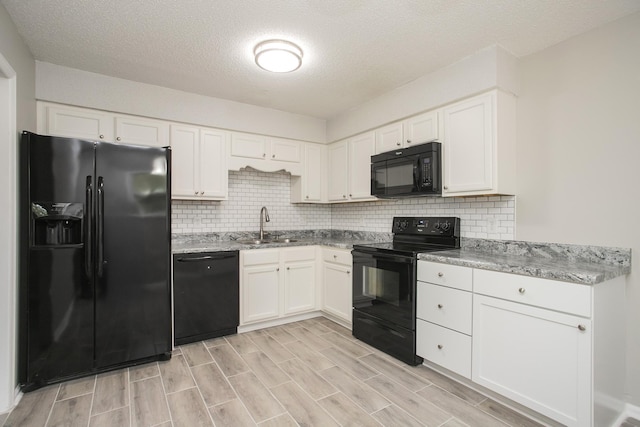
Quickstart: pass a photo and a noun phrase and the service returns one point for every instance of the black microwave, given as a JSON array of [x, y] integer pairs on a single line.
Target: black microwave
[[411, 172]]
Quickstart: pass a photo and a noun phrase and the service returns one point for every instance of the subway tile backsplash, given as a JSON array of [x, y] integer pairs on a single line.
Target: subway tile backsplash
[[481, 217]]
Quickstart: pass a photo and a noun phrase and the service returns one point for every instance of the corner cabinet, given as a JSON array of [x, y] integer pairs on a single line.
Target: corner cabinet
[[199, 157], [350, 168], [479, 140], [310, 186]]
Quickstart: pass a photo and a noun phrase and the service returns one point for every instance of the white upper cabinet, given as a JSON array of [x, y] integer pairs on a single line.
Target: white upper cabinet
[[84, 123], [199, 168], [72, 122], [266, 154], [389, 137], [136, 130], [350, 168], [310, 187], [420, 129], [415, 130], [478, 139], [361, 148]]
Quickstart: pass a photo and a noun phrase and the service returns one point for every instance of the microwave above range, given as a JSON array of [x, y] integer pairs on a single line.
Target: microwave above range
[[411, 172]]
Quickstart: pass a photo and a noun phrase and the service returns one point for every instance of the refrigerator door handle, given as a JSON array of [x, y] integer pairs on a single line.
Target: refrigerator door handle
[[88, 231], [100, 223]]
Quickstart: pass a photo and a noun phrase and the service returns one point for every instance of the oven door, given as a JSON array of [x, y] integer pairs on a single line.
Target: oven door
[[384, 287]]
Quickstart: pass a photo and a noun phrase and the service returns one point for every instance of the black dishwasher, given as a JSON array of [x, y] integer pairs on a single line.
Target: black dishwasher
[[205, 295]]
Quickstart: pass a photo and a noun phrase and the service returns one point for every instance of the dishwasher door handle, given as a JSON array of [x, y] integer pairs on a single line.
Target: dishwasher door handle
[[205, 258]]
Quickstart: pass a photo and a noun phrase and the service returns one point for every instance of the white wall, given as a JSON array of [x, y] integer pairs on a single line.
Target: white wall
[[579, 152], [71, 86], [17, 112], [486, 69]]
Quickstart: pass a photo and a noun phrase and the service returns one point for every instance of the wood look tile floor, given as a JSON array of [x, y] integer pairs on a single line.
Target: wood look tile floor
[[308, 373]]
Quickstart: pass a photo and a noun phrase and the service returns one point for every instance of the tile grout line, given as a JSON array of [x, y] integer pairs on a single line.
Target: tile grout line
[[52, 405], [93, 396], [164, 391]]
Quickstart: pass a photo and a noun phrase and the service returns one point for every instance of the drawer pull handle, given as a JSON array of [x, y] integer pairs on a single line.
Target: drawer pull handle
[[439, 346], [521, 290], [440, 274], [439, 305], [582, 328]]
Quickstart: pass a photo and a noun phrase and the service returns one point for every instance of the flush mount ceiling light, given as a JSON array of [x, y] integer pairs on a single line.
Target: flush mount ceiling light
[[278, 56]]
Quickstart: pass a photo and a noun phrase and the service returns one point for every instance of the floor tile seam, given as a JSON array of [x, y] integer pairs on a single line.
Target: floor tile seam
[[268, 390], [404, 370], [236, 353], [193, 378], [72, 397], [348, 353], [239, 399], [50, 409], [309, 396], [164, 392], [460, 400], [364, 384], [400, 409], [356, 403], [145, 378]]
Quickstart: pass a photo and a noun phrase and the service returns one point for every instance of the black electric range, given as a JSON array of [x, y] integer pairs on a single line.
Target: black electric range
[[384, 282]]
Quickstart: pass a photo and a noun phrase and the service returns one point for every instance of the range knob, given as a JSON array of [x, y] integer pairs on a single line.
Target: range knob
[[445, 226], [437, 225], [402, 224]]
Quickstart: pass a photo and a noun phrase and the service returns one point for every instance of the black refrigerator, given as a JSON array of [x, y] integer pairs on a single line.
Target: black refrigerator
[[94, 242]]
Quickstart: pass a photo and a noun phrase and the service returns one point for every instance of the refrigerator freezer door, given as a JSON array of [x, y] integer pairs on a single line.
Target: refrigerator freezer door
[[56, 294], [133, 299]]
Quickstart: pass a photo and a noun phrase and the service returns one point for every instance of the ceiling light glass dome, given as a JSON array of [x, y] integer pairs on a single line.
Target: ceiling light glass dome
[[278, 56]]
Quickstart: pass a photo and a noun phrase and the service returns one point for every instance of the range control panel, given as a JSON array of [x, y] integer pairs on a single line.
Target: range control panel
[[428, 225]]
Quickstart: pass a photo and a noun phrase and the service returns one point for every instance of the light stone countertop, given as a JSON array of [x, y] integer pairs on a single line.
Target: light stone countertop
[[568, 263]]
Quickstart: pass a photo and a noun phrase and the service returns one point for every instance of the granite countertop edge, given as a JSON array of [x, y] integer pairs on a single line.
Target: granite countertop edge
[[565, 270], [230, 245]]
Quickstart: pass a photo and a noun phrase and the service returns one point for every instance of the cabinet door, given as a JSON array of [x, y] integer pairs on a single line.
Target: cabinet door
[[389, 138], [284, 150], [361, 148], [421, 129], [468, 143], [247, 145], [313, 176], [260, 292], [338, 173], [135, 130], [539, 358], [336, 290], [299, 286], [184, 169], [212, 159], [78, 123]]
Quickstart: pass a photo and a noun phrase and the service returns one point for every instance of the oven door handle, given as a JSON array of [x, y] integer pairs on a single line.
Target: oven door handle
[[378, 255]]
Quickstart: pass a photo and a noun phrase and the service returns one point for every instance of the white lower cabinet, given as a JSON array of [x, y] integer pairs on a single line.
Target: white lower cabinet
[[337, 283], [557, 348], [277, 282], [539, 358]]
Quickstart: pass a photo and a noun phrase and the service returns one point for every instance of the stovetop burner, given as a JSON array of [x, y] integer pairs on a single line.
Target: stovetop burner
[[412, 235]]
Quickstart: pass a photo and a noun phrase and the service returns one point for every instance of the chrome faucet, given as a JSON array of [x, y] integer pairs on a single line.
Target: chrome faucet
[[264, 217]]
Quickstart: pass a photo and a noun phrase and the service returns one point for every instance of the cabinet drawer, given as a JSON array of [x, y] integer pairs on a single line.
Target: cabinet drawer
[[570, 298], [337, 256], [451, 308], [453, 276], [447, 348], [260, 256], [299, 253]]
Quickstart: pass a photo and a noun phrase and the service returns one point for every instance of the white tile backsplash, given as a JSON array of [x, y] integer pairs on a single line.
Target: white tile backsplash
[[481, 217]]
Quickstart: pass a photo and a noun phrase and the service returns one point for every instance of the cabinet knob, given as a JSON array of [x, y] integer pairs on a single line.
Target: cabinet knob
[[264, 154], [440, 274], [278, 269], [335, 257], [439, 346], [273, 156], [287, 268], [521, 290], [118, 139], [445, 187], [348, 272], [101, 136], [307, 197], [582, 328], [408, 141], [196, 193], [350, 195], [439, 305], [344, 196], [398, 144], [202, 193]]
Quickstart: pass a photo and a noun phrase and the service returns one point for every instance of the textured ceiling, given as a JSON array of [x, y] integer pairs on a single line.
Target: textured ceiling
[[354, 50]]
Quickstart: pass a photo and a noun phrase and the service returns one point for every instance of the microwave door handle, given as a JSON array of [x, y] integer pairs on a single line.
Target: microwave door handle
[[416, 176]]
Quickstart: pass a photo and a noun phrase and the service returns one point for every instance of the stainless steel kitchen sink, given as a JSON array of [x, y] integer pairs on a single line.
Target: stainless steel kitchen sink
[[263, 241]]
